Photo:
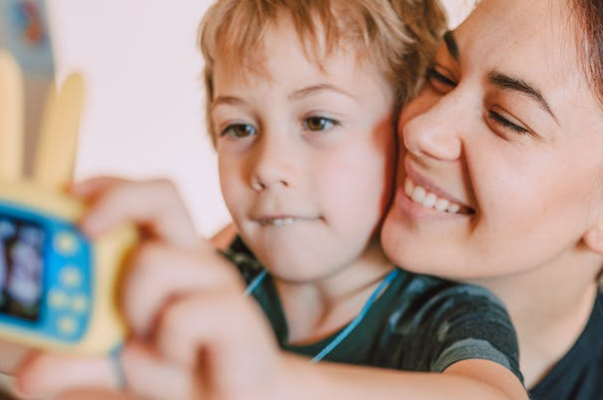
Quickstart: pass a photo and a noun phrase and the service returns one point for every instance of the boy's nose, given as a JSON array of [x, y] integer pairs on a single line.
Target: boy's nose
[[261, 182], [272, 166], [435, 131]]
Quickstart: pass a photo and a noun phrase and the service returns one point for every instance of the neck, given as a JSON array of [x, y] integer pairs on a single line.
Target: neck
[[318, 308], [549, 307]]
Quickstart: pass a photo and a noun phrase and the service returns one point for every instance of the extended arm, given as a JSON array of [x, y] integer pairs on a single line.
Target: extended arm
[[197, 337]]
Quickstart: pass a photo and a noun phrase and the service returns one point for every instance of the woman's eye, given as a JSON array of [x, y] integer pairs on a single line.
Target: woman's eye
[[438, 80], [505, 123], [317, 124], [239, 131]]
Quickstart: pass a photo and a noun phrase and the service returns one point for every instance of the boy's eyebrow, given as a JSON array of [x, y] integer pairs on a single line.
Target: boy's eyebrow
[[508, 82], [229, 100], [452, 45], [305, 92]]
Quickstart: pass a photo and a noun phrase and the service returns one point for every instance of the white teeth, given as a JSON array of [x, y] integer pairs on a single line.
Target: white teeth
[[454, 208], [442, 204], [420, 195], [430, 200], [280, 221], [408, 187]]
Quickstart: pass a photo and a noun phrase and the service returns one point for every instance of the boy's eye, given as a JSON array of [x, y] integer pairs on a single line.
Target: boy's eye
[[317, 124], [438, 80], [239, 131]]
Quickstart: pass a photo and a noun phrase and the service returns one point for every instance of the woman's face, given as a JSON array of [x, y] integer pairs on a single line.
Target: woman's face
[[502, 165]]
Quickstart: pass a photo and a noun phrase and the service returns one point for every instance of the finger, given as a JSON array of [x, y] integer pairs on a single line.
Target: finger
[[152, 205], [45, 374], [12, 356], [152, 377], [95, 394], [146, 374], [229, 329], [91, 188], [159, 272]]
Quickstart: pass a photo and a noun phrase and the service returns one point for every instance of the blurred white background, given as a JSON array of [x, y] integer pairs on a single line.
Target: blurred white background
[[144, 113]]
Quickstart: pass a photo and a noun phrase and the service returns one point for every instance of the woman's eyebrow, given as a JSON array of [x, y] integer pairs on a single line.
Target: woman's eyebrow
[[452, 45], [507, 82]]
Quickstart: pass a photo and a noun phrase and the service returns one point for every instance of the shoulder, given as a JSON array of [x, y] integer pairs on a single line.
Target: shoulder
[[434, 298], [437, 323], [426, 304], [237, 253]]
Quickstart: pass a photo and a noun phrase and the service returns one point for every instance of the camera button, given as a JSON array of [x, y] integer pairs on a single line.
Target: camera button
[[71, 276], [66, 243], [79, 304], [57, 299], [67, 325]]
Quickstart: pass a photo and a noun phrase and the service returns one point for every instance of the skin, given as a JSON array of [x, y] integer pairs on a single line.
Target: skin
[[522, 164], [210, 357], [288, 140], [227, 351]]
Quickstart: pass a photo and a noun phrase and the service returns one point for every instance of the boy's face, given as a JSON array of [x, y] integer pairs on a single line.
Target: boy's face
[[306, 157]]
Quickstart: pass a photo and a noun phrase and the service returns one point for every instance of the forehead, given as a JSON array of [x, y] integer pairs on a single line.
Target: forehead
[[282, 59], [526, 34], [534, 40]]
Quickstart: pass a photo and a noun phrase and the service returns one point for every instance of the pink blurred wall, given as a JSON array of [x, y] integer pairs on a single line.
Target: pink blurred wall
[[144, 113]]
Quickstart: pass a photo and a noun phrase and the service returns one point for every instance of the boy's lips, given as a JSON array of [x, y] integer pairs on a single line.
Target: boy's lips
[[282, 219]]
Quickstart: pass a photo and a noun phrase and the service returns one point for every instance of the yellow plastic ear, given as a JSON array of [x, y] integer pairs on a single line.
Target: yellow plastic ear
[[57, 144], [43, 194], [11, 119]]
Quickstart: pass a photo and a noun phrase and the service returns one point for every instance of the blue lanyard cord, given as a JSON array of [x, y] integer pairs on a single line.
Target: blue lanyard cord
[[352, 325], [356, 321], [257, 281]]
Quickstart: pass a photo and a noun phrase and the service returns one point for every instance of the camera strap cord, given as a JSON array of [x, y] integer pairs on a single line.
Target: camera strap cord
[[257, 281]]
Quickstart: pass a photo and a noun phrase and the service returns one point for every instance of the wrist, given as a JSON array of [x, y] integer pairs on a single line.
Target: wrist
[[297, 379]]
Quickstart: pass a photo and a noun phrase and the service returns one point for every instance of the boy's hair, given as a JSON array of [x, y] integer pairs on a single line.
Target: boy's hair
[[399, 37]]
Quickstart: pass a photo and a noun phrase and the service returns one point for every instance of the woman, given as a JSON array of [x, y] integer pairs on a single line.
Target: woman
[[510, 127]]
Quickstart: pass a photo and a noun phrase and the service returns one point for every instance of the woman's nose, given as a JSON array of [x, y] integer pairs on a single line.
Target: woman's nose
[[433, 129]]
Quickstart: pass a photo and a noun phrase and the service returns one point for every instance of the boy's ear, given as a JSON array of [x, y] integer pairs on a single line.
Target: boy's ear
[[594, 237]]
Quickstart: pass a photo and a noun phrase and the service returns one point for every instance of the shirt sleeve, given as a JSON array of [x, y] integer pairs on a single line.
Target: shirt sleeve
[[467, 322], [447, 324]]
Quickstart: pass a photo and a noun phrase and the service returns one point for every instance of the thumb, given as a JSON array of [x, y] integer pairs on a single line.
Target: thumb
[[43, 374]]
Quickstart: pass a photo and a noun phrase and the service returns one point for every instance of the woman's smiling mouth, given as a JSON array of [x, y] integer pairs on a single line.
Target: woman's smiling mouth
[[420, 195]]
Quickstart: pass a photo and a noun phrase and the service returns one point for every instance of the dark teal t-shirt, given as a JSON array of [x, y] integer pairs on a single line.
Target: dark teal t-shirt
[[419, 323], [578, 375]]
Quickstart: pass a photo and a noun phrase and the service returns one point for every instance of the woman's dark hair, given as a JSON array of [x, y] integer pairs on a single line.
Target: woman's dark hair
[[589, 15]]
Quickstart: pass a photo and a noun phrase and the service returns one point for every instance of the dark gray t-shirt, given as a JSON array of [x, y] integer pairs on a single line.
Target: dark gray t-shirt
[[419, 323], [579, 374]]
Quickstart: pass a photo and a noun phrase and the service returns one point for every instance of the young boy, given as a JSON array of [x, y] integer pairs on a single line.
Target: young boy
[[302, 98]]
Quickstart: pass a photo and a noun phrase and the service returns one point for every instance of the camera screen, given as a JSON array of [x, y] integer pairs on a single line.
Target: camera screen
[[21, 267]]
